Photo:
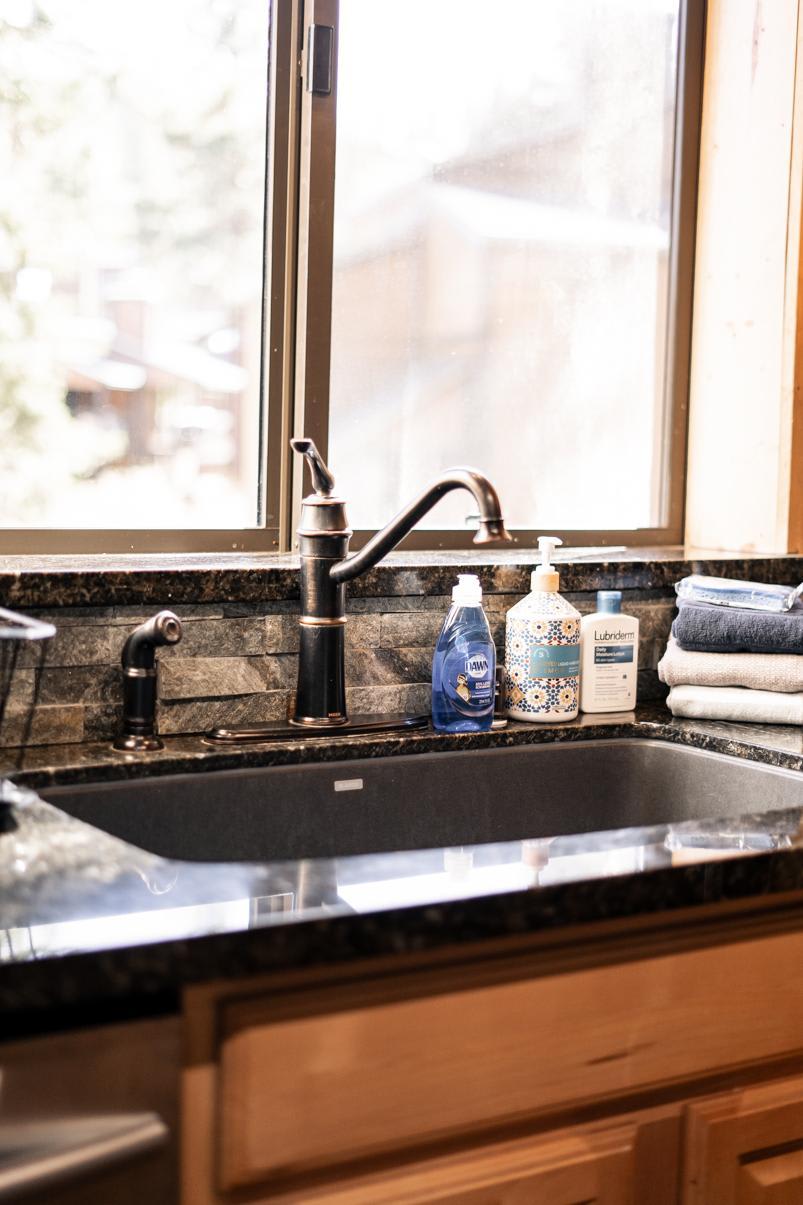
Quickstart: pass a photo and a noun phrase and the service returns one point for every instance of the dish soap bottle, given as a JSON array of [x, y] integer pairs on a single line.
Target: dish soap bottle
[[609, 648], [542, 648], [464, 665]]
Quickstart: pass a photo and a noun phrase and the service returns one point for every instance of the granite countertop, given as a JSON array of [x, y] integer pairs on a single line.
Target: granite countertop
[[178, 578], [89, 920]]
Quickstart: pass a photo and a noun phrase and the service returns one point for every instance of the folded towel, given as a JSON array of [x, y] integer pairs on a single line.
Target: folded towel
[[736, 703], [703, 628], [758, 671]]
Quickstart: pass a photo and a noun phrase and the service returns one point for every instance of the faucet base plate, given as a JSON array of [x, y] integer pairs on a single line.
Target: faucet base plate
[[136, 743], [256, 733]]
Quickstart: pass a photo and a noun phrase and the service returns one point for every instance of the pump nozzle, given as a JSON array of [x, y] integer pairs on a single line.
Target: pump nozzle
[[545, 577]]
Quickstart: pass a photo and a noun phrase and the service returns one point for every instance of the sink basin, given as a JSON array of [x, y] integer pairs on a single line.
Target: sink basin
[[427, 800]]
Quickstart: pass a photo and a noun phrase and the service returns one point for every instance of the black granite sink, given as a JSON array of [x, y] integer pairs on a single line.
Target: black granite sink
[[428, 800]]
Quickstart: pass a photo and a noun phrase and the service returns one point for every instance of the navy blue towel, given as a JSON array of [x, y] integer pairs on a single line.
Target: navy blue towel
[[706, 628]]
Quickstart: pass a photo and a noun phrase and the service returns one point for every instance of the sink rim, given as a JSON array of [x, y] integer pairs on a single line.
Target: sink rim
[[391, 817], [542, 747]]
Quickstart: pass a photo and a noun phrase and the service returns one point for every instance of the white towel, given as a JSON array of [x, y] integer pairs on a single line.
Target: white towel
[[736, 703], [758, 671]]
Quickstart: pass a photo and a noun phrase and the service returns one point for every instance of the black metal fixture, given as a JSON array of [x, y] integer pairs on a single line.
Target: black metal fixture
[[139, 682], [323, 538]]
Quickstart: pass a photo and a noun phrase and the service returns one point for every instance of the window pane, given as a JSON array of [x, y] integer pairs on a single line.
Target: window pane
[[502, 226], [132, 155]]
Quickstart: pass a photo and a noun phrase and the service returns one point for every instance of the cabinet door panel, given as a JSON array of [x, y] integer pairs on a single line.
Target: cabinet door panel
[[575, 1167], [375, 1069], [774, 1181], [746, 1147], [568, 1172]]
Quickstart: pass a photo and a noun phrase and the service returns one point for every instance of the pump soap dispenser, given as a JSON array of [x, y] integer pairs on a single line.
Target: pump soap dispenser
[[542, 648]]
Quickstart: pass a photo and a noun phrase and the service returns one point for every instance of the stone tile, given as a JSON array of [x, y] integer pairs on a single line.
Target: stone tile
[[64, 617], [650, 653], [586, 604], [413, 697], [280, 671], [75, 645], [655, 619], [404, 602], [220, 638], [201, 714], [411, 629], [21, 689], [237, 654], [649, 687], [585, 600], [102, 721], [139, 614], [422, 630], [210, 677], [55, 724], [268, 607], [398, 580], [387, 667], [654, 615], [281, 633], [363, 631], [500, 603], [81, 684], [497, 625]]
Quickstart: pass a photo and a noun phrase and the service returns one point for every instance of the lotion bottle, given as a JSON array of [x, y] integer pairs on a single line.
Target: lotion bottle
[[609, 656], [542, 648]]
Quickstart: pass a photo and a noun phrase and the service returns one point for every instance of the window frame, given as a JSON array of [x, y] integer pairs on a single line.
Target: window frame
[[297, 312], [283, 101]]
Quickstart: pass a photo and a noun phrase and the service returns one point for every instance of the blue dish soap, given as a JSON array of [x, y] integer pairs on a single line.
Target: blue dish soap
[[464, 665]]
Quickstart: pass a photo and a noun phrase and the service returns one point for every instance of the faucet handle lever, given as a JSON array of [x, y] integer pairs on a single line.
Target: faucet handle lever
[[322, 480]]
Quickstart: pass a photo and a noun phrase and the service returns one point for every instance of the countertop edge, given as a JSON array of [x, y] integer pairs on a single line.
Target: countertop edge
[[119, 580]]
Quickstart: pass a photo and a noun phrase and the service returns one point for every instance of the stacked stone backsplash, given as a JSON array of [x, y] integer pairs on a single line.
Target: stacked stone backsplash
[[237, 662]]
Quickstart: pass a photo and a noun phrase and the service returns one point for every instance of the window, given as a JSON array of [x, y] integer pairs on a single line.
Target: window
[[132, 150], [476, 248]]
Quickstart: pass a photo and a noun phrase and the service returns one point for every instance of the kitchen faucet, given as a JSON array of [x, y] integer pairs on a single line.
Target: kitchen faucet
[[138, 732], [323, 537]]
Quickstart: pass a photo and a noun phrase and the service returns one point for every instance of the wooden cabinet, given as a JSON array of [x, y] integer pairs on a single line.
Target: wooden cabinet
[[575, 1167], [630, 1161], [569, 1169], [745, 1147], [513, 1084]]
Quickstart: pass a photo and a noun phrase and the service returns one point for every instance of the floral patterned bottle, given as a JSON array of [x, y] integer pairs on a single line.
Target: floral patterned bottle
[[542, 649]]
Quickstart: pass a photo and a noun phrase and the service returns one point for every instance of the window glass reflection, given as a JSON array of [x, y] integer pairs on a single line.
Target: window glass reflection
[[132, 154]]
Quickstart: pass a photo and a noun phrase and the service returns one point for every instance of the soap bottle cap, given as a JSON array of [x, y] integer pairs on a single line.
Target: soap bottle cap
[[468, 591], [545, 579], [609, 602]]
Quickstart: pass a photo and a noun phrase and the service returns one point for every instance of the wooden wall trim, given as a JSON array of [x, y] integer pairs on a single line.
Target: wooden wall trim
[[744, 466], [793, 340], [795, 523], [795, 540]]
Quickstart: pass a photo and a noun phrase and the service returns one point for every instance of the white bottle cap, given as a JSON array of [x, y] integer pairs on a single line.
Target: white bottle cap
[[458, 863], [545, 579], [468, 591]]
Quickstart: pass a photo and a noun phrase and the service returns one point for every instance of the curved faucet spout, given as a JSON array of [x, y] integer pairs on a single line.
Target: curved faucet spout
[[491, 529]]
